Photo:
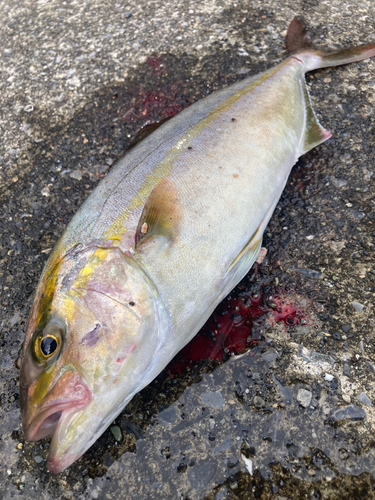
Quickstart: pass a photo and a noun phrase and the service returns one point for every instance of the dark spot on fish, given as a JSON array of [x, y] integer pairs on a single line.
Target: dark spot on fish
[[132, 304], [189, 147], [233, 119], [91, 337]]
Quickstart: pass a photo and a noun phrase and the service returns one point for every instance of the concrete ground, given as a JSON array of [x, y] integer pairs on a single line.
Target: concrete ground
[[293, 417]]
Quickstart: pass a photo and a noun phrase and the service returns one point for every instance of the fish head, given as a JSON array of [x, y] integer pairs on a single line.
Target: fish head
[[92, 342]]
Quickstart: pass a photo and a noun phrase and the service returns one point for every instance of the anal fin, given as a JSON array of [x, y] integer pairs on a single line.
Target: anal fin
[[244, 260], [315, 134]]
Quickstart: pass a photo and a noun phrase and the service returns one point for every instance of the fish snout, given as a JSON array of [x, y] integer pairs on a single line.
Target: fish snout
[[69, 394]]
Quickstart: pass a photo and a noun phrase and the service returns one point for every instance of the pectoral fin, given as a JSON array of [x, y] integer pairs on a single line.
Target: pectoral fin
[[161, 215]]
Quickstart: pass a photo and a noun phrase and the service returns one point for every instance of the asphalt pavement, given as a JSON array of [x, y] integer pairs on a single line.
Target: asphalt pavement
[[291, 418]]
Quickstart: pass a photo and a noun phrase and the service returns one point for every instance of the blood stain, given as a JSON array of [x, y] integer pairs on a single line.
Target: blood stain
[[234, 328]]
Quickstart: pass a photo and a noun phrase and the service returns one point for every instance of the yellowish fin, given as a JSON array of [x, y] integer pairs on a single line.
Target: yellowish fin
[[162, 214]]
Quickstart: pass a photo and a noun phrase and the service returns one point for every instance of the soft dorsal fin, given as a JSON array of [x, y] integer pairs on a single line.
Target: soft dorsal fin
[[146, 130], [315, 134], [161, 215]]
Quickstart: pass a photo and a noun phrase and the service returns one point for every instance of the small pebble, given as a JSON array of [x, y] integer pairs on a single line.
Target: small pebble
[[344, 455], [338, 182], [232, 462], [259, 402], [231, 402], [309, 273], [346, 370], [19, 446], [38, 459], [363, 398], [237, 319], [328, 377], [304, 397], [270, 355], [116, 431], [358, 307], [213, 398], [76, 174], [349, 413], [302, 330]]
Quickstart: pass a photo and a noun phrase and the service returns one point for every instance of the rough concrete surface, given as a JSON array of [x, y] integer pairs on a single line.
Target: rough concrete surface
[[294, 416]]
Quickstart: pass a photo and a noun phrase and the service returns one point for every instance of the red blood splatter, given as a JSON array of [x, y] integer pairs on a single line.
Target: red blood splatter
[[149, 104], [155, 63], [233, 328], [286, 313]]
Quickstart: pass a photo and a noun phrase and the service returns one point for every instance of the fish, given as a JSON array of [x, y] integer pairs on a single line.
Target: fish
[[163, 238]]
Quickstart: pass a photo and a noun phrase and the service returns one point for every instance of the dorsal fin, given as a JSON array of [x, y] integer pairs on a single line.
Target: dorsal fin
[[161, 215], [145, 131], [315, 134]]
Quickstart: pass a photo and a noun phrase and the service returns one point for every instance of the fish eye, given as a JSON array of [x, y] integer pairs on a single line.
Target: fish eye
[[48, 342], [49, 345]]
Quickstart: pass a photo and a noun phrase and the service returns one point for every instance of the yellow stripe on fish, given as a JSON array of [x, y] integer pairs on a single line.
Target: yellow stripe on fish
[[118, 227]]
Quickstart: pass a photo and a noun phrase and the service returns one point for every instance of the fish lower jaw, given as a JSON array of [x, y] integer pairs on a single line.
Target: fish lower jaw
[[56, 465]]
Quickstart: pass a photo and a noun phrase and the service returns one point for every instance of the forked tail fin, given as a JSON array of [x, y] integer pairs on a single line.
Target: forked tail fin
[[299, 44]]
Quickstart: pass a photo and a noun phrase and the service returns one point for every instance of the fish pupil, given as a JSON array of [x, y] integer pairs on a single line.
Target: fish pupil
[[48, 346]]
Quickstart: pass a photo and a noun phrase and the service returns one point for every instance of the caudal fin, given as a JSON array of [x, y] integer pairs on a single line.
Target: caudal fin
[[297, 38], [299, 44]]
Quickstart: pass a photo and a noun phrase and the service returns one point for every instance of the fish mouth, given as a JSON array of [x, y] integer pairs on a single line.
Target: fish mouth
[[68, 397], [47, 420]]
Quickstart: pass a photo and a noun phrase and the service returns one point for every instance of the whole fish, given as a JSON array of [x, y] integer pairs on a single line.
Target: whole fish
[[160, 242]]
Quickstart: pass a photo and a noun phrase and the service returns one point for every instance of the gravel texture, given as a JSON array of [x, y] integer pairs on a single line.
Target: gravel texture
[[78, 80]]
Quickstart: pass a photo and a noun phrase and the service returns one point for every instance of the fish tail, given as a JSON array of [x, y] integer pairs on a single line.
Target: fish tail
[[299, 44]]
